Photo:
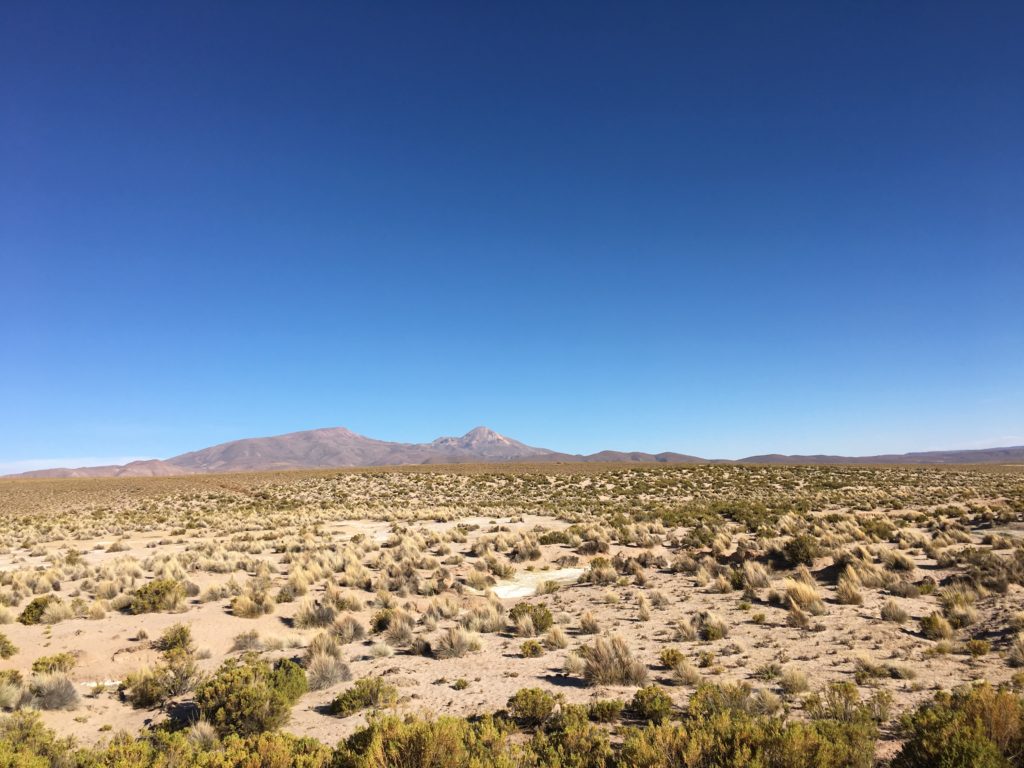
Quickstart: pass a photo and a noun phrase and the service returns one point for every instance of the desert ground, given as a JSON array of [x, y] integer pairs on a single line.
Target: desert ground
[[444, 591]]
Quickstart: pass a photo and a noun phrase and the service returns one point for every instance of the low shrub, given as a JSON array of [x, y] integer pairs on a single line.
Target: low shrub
[[710, 627], [53, 691], [175, 637], [252, 606], [652, 704], [531, 706], [33, 612], [801, 550], [539, 615], [980, 726], [891, 611], [324, 670], [455, 642], [157, 595], [606, 710], [247, 695], [531, 649], [315, 614], [609, 661], [935, 627], [348, 629], [61, 662], [7, 648], [365, 693]]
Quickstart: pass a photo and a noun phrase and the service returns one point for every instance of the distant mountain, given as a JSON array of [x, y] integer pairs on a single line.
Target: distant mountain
[[319, 449], [666, 457], [1011, 455], [339, 447]]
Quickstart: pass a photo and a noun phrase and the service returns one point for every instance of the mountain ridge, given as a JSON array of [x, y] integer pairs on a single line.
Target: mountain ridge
[[340, 447]]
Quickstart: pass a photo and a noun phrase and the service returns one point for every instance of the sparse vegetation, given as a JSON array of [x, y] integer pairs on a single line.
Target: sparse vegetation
[[609, 661], [767, 576], [365, 693], [249, 695]]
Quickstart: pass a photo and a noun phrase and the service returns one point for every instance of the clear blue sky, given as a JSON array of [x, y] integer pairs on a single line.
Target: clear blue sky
[[718, 228]]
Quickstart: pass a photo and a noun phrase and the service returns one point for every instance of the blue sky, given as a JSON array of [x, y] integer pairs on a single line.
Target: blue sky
[[715, 228]]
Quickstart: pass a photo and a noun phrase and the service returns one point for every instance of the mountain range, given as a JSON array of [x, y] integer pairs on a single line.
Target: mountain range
[[340, 447]]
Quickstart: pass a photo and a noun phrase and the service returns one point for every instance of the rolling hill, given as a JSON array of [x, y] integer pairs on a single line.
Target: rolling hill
[[338, 447]]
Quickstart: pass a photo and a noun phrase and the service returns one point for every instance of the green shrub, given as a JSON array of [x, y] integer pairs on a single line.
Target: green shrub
[[7, 648], [61, 662], [555, 537], [247, 695], [606, 710], [180, 672], [157, 595], [177, 674], [178, 636], [569, 740], [736, 738], [720, 731], [144, 689], [977, 647], [539, 614], [801, 550], [840, 701], [33, 612], [531, 649], [365, 693], [447, 742], [671, 657], [980, 727], [652, 704], [26, 743], [531, 706]]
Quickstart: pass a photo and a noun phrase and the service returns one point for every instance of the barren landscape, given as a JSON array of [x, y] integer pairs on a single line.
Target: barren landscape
[[580, 610]]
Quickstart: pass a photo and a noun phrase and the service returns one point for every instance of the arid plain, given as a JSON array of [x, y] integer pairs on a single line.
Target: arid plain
[[439, 591]]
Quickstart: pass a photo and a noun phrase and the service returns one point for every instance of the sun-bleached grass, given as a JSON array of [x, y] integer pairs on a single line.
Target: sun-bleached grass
[[609, 661], [455, 642]]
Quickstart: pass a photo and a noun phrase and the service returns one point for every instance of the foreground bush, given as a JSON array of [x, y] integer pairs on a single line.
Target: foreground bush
[[981, 727], [176, 674], [247, 695], [448, 742], [531, 706], [722, 729], [26, 743], [651, 704]]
